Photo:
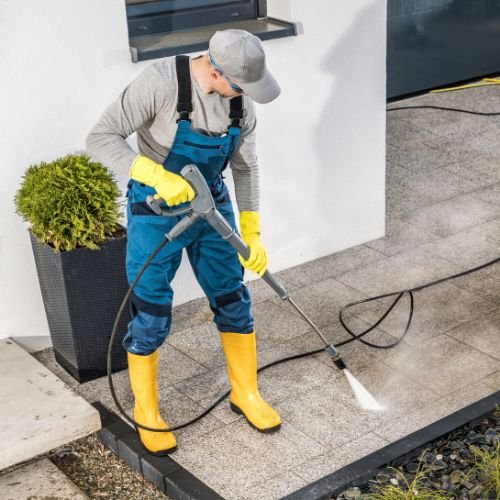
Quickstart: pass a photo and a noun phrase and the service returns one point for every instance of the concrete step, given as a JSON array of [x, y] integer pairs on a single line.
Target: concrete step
[[38, 411], [39, 480]]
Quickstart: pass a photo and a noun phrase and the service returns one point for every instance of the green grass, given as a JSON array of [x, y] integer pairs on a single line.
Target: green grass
[[410, 490], [487, 469]]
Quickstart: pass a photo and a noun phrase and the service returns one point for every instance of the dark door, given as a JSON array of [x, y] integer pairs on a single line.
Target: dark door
[[431, 43]]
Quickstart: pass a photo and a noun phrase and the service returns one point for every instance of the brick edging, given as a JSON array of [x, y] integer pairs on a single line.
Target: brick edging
[[164, 472]]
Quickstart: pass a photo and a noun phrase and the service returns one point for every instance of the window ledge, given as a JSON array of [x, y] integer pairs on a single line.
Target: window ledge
[[196, 39]]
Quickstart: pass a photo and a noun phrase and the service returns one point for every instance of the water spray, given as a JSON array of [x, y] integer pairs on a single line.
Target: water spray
[[365, 399]]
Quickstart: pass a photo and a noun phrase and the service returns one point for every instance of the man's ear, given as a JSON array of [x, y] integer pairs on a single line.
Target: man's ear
[[215, 75]]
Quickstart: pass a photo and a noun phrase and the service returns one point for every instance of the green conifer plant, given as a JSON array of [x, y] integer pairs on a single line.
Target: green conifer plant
[[71, 202]]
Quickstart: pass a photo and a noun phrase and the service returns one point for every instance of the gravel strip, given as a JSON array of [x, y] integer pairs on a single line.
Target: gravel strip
[[99, 473], [449, 462]]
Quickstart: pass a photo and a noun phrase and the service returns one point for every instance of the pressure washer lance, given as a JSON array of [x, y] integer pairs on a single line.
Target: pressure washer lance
[[203, 206]]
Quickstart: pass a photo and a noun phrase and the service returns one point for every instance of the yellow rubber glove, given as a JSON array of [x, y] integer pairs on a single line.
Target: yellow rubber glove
[[171, 187], [250, 234]]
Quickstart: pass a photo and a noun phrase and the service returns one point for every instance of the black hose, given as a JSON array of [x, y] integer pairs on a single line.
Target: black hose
[[444, 109], [400, 295]]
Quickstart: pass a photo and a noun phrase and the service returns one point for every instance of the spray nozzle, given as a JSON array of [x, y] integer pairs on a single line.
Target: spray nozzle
[[334, 354]]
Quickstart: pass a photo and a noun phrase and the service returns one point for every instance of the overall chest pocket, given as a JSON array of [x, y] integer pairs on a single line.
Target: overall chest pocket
[[204, 146]]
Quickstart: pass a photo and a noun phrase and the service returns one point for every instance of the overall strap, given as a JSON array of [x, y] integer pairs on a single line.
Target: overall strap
[[184, 104], [236, 111]]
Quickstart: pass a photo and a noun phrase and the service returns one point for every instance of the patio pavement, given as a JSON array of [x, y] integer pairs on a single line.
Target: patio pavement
[[443, 217]]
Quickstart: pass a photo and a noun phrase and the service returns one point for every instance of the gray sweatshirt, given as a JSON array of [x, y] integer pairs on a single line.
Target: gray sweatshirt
[[148, 106]]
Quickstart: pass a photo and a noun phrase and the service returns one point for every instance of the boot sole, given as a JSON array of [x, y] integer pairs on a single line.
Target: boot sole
[[159, 453], [269, 430]]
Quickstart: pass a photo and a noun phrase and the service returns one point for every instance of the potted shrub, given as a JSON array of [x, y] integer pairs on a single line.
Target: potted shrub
[[71, 205]]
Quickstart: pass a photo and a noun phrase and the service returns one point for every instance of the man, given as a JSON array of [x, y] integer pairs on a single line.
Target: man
[[191, 111]]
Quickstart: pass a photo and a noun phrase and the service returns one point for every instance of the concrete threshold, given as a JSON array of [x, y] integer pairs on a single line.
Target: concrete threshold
[[39, 480], [38, 411]]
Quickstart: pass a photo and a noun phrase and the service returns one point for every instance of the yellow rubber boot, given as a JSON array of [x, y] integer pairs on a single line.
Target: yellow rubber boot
[[143, 372], [241, 358]]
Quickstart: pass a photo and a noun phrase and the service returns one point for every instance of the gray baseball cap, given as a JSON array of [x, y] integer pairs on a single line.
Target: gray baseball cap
[[239, 56]]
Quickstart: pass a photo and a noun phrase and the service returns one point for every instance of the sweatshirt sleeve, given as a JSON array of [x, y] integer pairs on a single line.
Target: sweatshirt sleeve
[[244, 163], [136, 105]]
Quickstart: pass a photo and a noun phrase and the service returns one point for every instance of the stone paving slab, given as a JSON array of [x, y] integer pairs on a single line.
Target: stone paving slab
[[483, 142], [402, 202], [327, 267], [38, 411], [493, 381], [398, 272], [236, 457], [296, 377], [329, 414], [402, 133], [335, 459], [444, 363], [437, 126], [261, 291], [437, 184], [454, 215], [436, 310], [491, 193], [276, 487], [490, 229], [40, 480], [200, 343], [481, 334], [419, 157], [321, 301], [481, 170], [185, 366], [402, 423], [190, 314], [400, 237], [468, 248], [355, 354], [484, 283], [276, 322]]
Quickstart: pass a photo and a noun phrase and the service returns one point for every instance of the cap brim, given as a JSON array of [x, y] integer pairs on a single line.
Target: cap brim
[[262, 91]]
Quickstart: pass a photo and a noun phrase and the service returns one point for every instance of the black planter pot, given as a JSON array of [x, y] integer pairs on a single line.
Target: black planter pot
[[82, 291]]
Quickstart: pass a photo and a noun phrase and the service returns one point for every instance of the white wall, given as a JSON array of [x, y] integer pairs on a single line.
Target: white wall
[[321, 144]]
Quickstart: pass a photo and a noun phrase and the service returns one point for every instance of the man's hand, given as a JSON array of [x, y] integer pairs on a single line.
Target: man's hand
[[250, 234], [171, 187]]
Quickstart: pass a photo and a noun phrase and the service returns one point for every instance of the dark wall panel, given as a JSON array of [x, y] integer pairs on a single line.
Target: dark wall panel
[[431, 43]]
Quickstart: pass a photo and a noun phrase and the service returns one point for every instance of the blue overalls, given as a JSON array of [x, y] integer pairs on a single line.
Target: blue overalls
[[215, 263]]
